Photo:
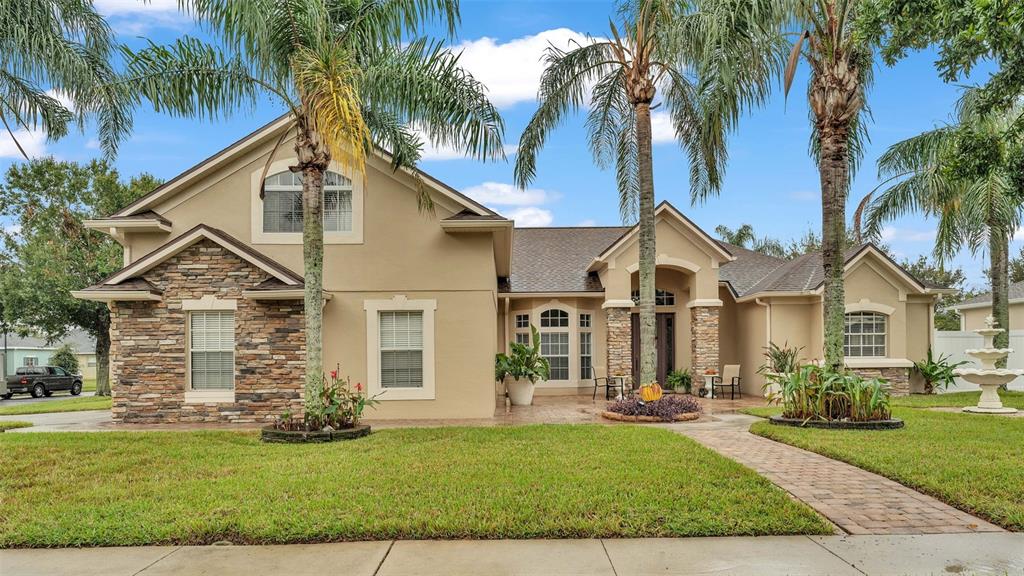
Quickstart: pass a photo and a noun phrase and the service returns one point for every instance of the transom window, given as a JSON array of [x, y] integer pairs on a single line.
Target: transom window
[[585, 320], [212, 350], [522, 320], [554, 318], [401, 349], [282, 203], [661, 297], [864, 334]]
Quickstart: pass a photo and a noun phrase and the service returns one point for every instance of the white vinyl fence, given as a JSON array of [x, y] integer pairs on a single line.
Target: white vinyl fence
[[954, 344]]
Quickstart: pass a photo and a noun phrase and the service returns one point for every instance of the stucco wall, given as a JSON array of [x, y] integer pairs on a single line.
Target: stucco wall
[[974, 318]]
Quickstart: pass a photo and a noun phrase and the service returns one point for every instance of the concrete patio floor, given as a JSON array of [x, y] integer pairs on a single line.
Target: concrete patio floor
[[762, 556]]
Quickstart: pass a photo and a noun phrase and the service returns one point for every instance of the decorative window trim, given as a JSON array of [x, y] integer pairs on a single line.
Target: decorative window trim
[[865, 305], [354, 236], [373, 309], [206, 303]]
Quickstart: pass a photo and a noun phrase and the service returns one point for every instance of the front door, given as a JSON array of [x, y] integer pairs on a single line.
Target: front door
[[664, 342]]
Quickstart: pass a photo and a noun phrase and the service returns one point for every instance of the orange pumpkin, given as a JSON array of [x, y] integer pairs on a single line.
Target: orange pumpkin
[[650, 392]]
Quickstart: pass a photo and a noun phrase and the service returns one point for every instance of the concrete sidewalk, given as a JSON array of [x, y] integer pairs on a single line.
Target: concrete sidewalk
[[997, 553]]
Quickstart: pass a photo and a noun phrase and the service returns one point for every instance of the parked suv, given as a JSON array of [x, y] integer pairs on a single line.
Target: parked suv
[[42, 381]]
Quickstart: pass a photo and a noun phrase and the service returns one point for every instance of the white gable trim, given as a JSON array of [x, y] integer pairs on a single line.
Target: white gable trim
[[160, 255]]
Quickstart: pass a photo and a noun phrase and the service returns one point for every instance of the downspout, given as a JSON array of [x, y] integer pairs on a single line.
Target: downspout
[[508, 303]]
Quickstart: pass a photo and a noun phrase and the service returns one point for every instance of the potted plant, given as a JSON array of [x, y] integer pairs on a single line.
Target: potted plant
[[679, 380], [521, 370], [780, 361]]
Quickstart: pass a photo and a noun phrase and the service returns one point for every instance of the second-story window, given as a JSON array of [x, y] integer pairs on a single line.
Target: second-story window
[[282, 203]]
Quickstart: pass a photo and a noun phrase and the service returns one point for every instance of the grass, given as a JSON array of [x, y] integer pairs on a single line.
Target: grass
[[972, 462], [513, 482], [88, 385], [1012, 398], [71, 404], [12, 424]]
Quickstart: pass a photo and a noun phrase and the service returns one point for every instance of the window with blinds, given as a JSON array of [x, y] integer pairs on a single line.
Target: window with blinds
[[401, 349], [212, 350], [864, 335], [282, 203]]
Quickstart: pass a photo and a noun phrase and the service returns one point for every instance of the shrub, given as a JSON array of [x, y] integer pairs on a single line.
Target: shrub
[[65, 358], [816, 393], [779, 359], [679, 379], [665, 409], [937, 372]]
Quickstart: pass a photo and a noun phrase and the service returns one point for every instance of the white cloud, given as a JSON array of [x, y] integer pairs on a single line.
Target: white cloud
[[132, 17], [586, 223], [33, 141], [501, 194], [511, 70], [93, 144], [893, 234], [530, 217], [662, 131]]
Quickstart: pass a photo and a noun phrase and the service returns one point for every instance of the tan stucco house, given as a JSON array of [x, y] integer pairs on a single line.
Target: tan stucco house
[[207, 313], [974, 311]]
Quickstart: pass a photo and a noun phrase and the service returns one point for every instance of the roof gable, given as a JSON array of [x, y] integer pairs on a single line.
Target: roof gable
[[275, 128], [201, 232], [666, 210]]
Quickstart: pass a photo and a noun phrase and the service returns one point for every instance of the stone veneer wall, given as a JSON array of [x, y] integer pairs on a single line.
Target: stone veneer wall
[[619, 339], [899, 378], [148, 368], [704, 341]]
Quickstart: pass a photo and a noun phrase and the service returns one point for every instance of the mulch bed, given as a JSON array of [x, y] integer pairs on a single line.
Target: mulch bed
[[891, 424]]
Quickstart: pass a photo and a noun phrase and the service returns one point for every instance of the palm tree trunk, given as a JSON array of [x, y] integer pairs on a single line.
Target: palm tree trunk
[[998, 265], [647, 262], [833, 170], [313, 162]]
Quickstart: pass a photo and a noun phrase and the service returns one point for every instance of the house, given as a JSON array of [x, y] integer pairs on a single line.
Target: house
[[17, 351], [207, 313], [973, 311]]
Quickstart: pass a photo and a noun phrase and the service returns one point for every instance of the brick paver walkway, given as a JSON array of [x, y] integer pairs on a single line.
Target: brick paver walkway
[[857, 501]]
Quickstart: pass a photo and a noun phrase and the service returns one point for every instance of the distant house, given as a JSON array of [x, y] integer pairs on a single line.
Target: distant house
[[34, 351], [973, 311]]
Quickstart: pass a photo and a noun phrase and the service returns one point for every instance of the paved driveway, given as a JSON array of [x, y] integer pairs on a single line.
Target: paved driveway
[[20, 399], [83, 421]]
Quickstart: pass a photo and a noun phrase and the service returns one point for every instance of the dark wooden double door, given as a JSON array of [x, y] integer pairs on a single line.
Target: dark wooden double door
[[665, 342]]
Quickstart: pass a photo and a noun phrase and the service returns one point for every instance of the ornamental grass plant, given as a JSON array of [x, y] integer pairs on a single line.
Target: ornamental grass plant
[[816, 393]]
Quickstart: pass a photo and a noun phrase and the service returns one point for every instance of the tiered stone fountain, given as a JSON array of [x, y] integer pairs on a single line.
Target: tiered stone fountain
[[988, 376]]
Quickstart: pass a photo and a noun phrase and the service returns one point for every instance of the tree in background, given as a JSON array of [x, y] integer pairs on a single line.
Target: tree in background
[[708, 74], [964, 174], [934, 272], [1015, 270], [744, 237], [965, 31], [56, 74], [53, 253], [65, 357], [350, 79]]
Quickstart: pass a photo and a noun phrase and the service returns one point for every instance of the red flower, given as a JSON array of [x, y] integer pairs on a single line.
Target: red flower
[[359, 387], [334, 374]]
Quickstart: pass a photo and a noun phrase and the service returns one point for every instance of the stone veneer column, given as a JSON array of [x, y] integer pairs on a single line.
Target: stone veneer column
[[620, 341], [704, 341]]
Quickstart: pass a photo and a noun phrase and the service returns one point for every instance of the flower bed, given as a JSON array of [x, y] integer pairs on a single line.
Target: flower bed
[[675, 407], [815, 397]]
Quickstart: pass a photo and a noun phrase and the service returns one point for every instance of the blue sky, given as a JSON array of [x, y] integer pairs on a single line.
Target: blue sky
[[771, 182]]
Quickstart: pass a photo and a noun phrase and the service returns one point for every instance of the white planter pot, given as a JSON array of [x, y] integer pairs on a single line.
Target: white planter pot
[[520, 391]]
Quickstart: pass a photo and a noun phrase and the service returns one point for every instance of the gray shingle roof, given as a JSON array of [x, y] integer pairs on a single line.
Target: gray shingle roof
[[79, 340], [467, 215], [1016, 293], [556, 259]]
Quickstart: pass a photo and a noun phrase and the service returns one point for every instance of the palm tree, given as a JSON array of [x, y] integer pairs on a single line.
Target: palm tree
[[840, 63], [965, 175], [707, 75], [350, 81], [56, 72], [744, 237]]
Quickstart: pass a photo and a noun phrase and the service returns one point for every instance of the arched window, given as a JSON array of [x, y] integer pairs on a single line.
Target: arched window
[[661, 297], [864, 335], [282, 202], [554, 341]]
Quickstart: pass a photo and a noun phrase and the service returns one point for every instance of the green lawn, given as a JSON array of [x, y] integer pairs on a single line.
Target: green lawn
[[513, 482], [1011, 398], [70, 404], [12, 424], [88, 385], [973, 462]]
